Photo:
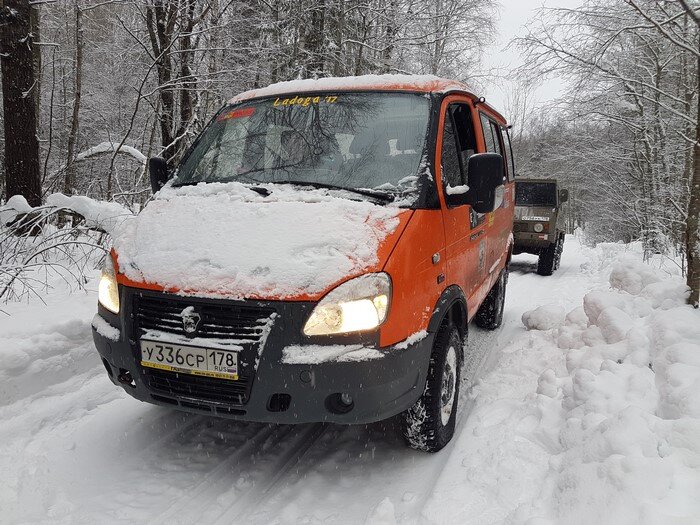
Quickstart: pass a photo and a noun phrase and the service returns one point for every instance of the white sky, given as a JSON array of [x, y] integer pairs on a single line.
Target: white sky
[[514, 15]]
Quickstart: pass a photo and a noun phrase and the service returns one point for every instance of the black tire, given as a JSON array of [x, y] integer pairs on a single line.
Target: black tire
[[490, 314], [547, 260], [560, 250], [430, 424]]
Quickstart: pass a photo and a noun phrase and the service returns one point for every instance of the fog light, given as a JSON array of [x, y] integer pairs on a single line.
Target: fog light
[[346, 399], [125, 378]]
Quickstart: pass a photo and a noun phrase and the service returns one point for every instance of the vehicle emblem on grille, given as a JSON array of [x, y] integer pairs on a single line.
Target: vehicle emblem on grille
[[190, 320]]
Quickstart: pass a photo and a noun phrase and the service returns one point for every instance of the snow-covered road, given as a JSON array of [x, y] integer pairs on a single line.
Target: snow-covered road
[[76, 449]]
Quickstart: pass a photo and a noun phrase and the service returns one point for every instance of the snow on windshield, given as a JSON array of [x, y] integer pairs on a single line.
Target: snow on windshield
[[227, 240]]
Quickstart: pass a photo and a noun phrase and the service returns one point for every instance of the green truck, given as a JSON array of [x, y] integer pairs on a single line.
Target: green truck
[[538, 226]]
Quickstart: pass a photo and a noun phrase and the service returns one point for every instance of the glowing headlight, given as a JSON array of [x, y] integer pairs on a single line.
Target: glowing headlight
[[356, 305], [538, 227], [108, 291]]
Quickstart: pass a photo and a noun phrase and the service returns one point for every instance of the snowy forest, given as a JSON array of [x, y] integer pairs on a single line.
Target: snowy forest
[[115, 82]]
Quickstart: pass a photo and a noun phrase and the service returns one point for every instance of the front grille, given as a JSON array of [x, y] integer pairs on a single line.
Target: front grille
[[530, 226], [241, 324], [198, 387]]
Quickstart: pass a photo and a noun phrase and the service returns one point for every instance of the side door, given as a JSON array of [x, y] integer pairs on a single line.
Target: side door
[[465, 239], [499, 223]]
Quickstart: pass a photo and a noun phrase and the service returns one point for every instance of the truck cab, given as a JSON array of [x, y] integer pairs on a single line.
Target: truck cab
[[317, 255]]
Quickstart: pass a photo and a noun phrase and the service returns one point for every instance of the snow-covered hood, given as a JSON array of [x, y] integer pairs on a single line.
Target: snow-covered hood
[[227, 240]]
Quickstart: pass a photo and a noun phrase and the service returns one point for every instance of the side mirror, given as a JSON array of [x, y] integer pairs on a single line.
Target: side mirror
[[485, 174], [563, 196], [158, 170]]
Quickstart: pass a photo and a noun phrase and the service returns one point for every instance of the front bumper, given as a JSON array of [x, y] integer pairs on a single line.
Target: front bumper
[[526, 241], [274, 391]]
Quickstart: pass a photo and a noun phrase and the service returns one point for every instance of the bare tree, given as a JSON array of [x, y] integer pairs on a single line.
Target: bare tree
[[633, 70], [18, 83]]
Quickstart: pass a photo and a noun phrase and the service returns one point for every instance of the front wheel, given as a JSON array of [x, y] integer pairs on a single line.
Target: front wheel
[[430, 424]]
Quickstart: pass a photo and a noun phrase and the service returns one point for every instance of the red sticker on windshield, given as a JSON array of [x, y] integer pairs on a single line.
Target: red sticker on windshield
[[236, 113]]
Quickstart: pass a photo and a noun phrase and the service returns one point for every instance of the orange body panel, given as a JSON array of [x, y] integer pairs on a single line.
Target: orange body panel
[[415, 277], [475, 256]]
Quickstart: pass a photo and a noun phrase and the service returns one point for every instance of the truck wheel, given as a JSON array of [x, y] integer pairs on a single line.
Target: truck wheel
[[490, 313], [547, 260], [430, 423], [560, 249]]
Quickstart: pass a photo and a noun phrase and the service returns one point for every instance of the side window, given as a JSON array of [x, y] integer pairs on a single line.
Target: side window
[[489, 139], [510, 152], [466, 140], [500, 146], [450, 161]]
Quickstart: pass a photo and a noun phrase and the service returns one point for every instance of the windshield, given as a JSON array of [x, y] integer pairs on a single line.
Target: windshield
[[369, 141], [536, 194]]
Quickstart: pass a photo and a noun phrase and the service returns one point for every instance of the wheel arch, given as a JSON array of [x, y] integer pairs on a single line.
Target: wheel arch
[[452, 305]]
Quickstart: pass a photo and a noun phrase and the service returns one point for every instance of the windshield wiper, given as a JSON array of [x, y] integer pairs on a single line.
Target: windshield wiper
[[384, 196], [377, 194]]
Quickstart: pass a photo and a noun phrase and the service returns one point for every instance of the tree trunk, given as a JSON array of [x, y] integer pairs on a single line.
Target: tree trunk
[[188, 86], [18, 83], [36, 53], [692, 226], [69, 181], [160, 21]]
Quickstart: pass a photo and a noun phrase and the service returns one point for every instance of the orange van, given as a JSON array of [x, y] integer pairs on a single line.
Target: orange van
[[317, 255]]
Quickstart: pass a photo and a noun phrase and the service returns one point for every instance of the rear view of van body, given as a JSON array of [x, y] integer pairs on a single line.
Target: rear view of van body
[[317, 255]]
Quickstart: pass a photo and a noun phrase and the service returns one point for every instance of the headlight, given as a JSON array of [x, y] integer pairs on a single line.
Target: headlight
[[354, 306], [538, 227], [108, 291]]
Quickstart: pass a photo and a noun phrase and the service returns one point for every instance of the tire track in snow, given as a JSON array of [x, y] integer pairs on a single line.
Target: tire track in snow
[[213, 480], [482, 349], [277, 472]]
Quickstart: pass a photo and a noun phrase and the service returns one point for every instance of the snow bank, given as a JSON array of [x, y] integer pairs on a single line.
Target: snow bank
[[225, 239], [360, 82], [620, 412], [14, 206], [544, 317], [102, 215], [596, 420], [632, 276]]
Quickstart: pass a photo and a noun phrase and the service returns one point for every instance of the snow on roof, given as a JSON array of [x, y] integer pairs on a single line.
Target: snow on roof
[[424, 83]]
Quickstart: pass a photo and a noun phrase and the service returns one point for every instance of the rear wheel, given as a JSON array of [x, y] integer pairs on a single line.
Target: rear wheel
[[430, 423], [490, 314]]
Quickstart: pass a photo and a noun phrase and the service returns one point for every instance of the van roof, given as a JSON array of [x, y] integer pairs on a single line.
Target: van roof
[[418, 83]]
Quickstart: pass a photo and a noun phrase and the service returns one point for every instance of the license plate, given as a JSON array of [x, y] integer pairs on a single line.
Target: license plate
[[193, 360]]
